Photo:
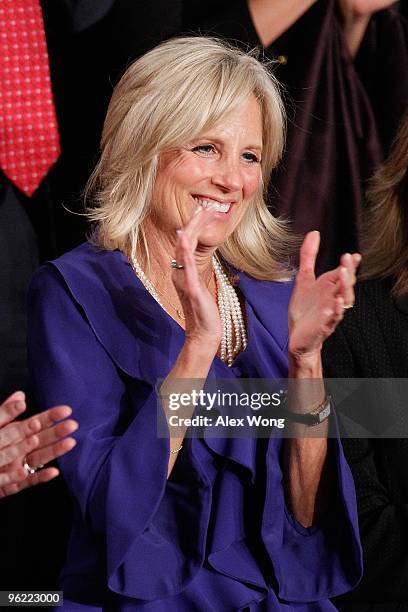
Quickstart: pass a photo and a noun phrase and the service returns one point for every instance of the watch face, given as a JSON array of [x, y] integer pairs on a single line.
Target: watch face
[[324, 413]]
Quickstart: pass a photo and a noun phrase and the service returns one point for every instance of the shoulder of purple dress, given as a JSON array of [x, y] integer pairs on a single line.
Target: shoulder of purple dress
[[270, 302], [87, 257], [92, 273], [96, 277], [254, 288], [125, 318]]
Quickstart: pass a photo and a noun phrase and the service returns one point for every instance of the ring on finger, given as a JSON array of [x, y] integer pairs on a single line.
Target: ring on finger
[[29, 469], [176, 265], [348, 306]]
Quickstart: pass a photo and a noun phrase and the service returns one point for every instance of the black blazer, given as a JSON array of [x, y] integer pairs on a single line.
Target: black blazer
[[372, 342], [89, 44]]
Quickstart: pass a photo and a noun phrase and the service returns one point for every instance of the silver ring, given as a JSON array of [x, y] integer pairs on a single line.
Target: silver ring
[[348, 307], [176, 265], [30, 470]]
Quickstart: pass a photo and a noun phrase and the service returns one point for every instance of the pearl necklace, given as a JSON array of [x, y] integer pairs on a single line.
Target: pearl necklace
[[231, 316], [228, 305]]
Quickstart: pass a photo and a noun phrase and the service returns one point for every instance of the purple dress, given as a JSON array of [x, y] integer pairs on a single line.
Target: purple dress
[[217, 535]]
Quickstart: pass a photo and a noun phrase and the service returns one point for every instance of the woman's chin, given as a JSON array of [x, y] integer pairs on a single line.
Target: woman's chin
[[211, 240]]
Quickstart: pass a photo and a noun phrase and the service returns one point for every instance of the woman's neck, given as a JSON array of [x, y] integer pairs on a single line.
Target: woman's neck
[[162, 250]]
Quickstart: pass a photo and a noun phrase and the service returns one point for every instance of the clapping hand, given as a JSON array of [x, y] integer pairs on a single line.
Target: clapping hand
[[25, 445], [318, 304], [200, 309]]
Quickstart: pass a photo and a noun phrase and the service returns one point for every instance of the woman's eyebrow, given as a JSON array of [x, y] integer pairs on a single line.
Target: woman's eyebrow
[[219, 141]]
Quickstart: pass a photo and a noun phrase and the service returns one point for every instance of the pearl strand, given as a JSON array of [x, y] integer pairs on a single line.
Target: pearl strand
[[231, 316], [146, 282], [229, 307]]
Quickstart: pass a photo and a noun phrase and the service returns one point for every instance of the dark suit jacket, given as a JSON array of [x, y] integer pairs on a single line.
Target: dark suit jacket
[[89, 43], [372, 342]]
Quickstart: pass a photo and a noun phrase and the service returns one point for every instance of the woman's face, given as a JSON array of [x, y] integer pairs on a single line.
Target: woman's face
[[222, 166]]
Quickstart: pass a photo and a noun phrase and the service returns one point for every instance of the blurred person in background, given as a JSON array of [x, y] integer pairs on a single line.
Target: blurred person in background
[[344, 65], [372, 342]]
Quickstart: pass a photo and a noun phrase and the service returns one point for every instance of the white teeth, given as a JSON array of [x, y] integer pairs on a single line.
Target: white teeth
[[212, 205]]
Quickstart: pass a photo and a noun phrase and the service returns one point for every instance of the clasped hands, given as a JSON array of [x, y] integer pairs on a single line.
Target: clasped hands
[[316, 307], [35, 440]]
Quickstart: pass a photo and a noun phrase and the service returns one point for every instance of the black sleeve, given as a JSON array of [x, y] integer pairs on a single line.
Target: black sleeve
[[338, 360], [374, 463]]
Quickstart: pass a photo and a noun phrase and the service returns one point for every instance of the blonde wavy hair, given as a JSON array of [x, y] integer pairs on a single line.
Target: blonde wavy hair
[[165, 99], [385, 235]]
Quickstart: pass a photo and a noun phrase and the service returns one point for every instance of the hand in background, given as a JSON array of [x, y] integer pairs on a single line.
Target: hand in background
[[363, 7], [356, 15], [25, 445]]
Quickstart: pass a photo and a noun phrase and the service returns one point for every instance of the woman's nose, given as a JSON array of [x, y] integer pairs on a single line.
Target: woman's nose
[[228, 176]]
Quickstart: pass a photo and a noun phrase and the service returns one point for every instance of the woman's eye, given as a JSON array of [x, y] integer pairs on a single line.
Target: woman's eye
[[251, 157], [204, 148]]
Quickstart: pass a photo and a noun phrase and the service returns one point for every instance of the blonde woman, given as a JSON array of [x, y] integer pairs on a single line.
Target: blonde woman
[[187, 277], [372, 342]]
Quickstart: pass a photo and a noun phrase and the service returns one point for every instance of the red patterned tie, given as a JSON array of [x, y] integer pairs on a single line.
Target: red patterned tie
[[29, 142]]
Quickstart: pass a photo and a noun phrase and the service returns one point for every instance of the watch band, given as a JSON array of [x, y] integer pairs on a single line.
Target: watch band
[[315, 417]]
